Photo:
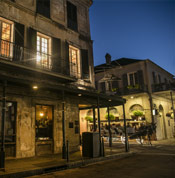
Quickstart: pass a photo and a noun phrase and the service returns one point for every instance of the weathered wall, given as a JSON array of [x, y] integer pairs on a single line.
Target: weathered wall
[[24, 12], [25, 121]]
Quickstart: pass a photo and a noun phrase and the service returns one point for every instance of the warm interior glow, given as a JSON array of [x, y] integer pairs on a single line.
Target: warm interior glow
[[35, 87], [41, 114], [74, 58]]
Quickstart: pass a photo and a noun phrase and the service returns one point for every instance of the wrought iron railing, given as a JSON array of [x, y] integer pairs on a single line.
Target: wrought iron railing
[[163, 87], [128, 90], [36, 59]]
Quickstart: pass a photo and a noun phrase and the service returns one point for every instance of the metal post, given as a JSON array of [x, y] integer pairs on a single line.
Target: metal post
[[172, 104], [67, 151], [151, 107], [109, 127], [63, 128], [126, 135], [2, 153], [94, 121], [99, 128]]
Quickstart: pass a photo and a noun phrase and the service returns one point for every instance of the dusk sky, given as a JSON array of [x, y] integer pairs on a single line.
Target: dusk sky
[[139, 29]]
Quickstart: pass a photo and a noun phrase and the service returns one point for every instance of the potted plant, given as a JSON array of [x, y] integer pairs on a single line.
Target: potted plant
[[111, 117], [137, 113], [89, 118]]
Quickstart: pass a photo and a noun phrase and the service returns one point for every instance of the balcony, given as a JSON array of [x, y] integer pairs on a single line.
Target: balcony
[[37, 60], [128, 90], [163, 87]]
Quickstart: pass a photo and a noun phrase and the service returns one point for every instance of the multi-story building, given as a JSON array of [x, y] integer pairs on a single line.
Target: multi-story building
[[148, 89], [46, 74]]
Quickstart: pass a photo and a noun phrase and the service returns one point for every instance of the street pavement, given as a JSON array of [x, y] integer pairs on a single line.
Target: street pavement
[[157, 161]]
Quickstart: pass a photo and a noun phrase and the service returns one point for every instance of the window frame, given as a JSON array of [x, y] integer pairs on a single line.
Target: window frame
[[134, 79], [52, 134], [42, 36], [2, 20], [69, 16], [78, 72]]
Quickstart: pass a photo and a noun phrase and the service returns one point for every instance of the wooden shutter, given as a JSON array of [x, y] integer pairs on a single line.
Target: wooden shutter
[[103, 87], [56, 55], [31, 45], [125, 80], [85, 64], [18, 51], [31, 39], [154, 77], [66, 67], [160, 81], [140, 77], [114, 84]]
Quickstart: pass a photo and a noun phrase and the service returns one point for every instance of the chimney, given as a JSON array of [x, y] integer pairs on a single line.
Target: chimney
[[108, 59]]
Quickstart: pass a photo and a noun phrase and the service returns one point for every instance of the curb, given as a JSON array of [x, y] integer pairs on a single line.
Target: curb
[[69, 165], [100, 159]]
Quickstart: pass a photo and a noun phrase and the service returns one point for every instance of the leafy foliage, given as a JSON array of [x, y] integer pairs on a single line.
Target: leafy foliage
[[111, 117], [89, 118], [137, 113]]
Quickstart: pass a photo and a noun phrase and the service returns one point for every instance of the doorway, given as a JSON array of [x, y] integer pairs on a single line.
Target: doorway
[[44, 129], [10, 128]]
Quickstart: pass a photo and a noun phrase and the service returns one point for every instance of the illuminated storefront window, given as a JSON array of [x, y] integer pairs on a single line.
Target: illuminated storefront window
[[74, 60], [44, 122], [43, 51]]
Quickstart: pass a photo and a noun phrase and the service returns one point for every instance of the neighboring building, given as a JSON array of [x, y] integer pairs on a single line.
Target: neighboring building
[[149, 91], [46, 74]]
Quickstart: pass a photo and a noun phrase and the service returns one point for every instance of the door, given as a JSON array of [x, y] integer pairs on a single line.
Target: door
[[44, 129], [10, 128]]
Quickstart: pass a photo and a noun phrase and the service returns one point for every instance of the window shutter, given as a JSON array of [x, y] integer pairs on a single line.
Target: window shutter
[[103, 87], [154, 77], [56, 55], [140, 77], [66, 67], [31, 44], [19, 34], [114, 84], [160, 81], [85, 64], [18, 51], [31, 39], [125, 80], [96, 85]]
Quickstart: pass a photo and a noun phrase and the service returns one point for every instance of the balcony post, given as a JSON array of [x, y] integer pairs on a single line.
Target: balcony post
[[171, 93], [94, 120], [109, 127], [99, 127], [126, 135], [63, 127], [151, 107], [2, 153]]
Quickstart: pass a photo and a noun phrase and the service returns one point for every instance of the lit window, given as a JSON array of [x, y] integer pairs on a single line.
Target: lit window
[[6, 38], [74, 59], [43, 51], [132, 78]]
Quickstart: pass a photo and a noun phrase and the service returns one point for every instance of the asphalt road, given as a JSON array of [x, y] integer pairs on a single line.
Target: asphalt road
[[151, 162]]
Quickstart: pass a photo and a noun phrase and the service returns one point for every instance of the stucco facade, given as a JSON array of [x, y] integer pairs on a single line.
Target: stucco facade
[[26, 106], [145, 86]]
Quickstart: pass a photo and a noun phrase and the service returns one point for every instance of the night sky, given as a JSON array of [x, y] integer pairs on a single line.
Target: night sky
[[139, 29]]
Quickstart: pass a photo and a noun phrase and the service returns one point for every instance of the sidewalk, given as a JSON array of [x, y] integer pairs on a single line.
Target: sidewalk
[[48, 163], [16, 168]]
